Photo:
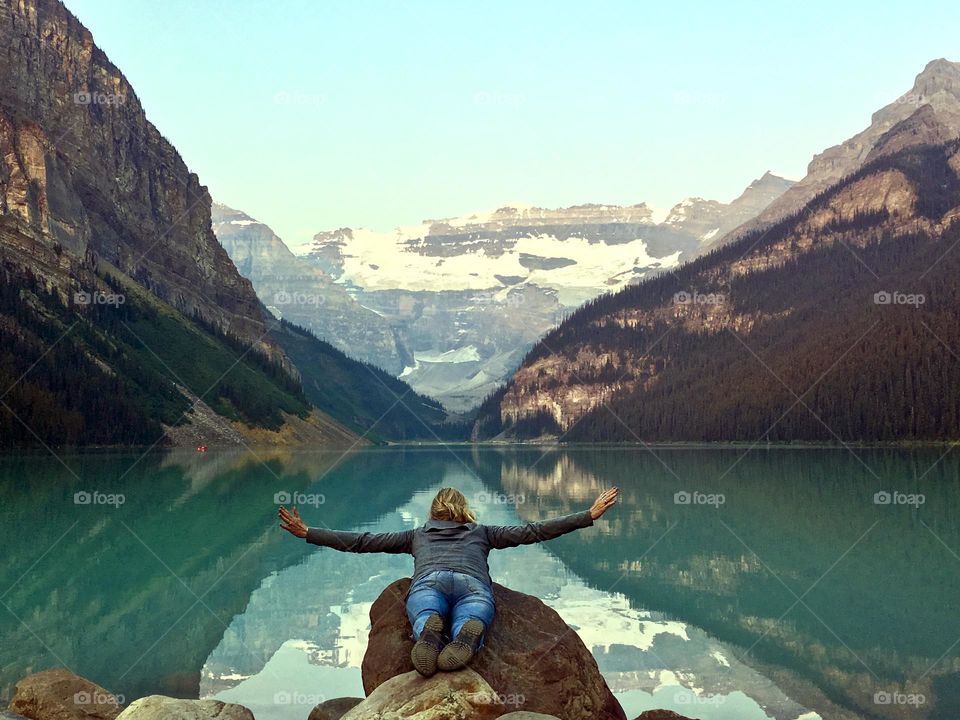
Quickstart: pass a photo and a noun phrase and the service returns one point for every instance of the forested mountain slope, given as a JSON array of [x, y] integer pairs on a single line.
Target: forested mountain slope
[[839, 322]]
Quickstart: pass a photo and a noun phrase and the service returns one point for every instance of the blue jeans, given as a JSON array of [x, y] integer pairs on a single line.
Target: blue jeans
[[456, 597]]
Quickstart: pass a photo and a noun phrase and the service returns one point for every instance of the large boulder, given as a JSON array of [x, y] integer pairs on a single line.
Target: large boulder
[[334, 709], [461, 695], [58, 694], [531, 658], [161, 707], [660, 715]]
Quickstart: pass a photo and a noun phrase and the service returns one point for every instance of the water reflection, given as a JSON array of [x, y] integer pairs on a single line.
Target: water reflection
[[798, 594], [321, 608]]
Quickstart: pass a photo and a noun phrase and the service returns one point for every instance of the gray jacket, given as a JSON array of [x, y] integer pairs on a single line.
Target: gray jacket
[[447, 545]]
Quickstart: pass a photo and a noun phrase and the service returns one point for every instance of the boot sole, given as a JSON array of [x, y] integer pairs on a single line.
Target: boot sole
[[457, 655], [424, 655]]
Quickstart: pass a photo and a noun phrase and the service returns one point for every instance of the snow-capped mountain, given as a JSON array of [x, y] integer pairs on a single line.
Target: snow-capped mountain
[[452, 305], [469, 296]]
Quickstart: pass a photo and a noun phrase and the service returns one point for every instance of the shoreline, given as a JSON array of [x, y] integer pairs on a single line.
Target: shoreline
[[499, 444]]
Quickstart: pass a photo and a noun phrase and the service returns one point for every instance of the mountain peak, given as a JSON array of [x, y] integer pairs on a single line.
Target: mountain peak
[[939, 75]]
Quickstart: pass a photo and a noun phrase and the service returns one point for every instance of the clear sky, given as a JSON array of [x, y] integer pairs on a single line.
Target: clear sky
[[317, 114]]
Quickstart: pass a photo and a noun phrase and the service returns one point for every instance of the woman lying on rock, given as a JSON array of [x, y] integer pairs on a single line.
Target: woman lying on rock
[[451, 578]]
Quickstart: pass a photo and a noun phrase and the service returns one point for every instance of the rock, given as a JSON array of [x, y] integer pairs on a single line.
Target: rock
[[660, 715], [334, 709], [532, 659], [7, 715], [461, 695], [526, 715], [58, 694], [161, 707]]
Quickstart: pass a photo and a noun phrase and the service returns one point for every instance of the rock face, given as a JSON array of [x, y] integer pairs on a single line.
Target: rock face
[[450, 696], [302, 293], [532, 659], [60, 695], [82, 168], [928, 113], [334, 709], [159, 707]]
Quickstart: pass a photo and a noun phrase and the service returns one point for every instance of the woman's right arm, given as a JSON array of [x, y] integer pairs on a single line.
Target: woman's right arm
[[365, 542]]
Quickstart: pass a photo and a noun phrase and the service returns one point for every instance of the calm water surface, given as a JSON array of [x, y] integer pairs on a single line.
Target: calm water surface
[[727, 585]]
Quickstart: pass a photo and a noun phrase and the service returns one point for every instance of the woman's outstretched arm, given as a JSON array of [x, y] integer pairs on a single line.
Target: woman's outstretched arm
[[394, 542], [507, 536]]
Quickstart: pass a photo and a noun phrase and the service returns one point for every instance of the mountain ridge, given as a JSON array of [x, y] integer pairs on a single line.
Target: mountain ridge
[[634, 365], [936, 87]]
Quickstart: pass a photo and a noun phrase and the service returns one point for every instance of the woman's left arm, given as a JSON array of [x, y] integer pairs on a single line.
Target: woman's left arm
[[507, 536]]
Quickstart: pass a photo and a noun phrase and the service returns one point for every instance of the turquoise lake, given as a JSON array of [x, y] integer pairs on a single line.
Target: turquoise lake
[[726, 585]]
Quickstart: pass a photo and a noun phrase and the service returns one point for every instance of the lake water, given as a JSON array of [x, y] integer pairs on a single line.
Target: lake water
[[727, 585]]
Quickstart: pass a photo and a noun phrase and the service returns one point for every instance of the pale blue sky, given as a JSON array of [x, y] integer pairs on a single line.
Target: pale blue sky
[[312, 115]]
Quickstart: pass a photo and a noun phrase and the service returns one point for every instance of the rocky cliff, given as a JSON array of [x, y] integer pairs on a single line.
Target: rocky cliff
[[122, 318], [302, 293], [83, 170]]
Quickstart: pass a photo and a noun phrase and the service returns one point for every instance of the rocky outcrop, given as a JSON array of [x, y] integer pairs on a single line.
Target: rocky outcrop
[[334, 709], [8, 715], [532, 660], [60, 695], [462, 695], [160, 707], [82, 170]]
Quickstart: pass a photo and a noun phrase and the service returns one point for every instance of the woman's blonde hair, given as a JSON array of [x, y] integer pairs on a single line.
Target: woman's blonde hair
[[450, 504]]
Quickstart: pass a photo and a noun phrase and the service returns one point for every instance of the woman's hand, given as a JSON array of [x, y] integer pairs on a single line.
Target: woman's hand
[[292, 522], [607, 499]]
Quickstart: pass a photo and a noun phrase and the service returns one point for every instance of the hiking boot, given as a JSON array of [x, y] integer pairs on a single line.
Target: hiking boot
[[427, 648], [458, 653]]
